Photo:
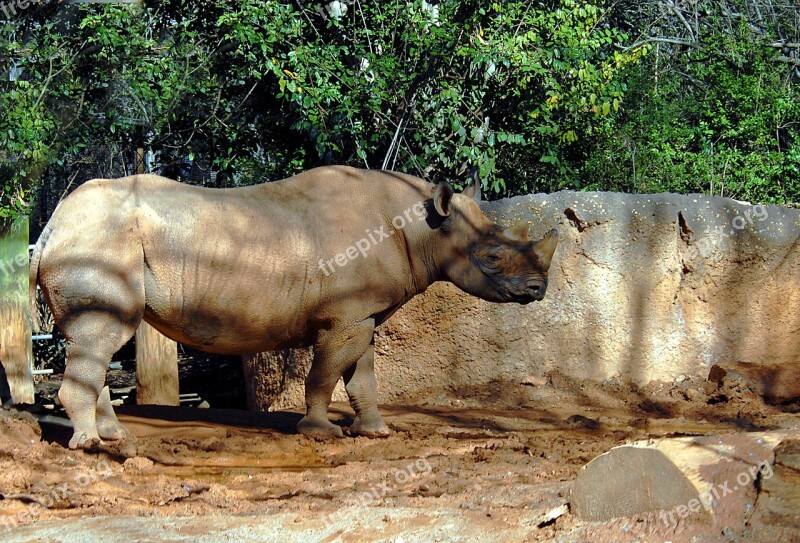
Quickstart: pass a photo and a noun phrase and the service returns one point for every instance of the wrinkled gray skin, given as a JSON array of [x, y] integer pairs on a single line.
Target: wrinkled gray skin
[[254, 269]]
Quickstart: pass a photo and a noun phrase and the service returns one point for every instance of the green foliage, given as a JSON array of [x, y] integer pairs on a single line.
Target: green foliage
[[722, 117], [538, 95], [390, 86], [23, 150], [25, 127], [386, 85]]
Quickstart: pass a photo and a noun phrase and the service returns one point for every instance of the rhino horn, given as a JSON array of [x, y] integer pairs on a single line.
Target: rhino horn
[[474, 190], [545, 248], [518, 232]]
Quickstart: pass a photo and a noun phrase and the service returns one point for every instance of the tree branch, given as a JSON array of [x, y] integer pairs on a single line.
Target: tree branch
[[682, 19], [785, 45], [674, 41], [789, 60]]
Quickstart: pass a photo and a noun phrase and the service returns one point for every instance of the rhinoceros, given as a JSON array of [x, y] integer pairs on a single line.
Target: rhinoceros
[[319, 259]]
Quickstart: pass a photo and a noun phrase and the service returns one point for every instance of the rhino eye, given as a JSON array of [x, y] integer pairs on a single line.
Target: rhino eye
[[490, 260], [494, 255]]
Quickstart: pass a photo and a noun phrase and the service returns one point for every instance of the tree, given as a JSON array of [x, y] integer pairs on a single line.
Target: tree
[[714, 108], [257, 90], [538, 95]]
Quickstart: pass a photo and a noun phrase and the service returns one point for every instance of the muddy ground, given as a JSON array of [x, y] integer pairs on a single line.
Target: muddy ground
[[485, 464]]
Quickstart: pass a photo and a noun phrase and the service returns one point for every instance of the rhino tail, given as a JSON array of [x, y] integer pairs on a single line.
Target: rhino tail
[[33, 277]]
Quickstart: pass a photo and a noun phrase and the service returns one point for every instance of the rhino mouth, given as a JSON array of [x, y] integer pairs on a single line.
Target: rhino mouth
[[531, 291], [537, 289]]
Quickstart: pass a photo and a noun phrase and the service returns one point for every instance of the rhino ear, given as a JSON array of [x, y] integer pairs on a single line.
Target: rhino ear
[[474, 190], [518, 232], [441, 198], [545, 248]]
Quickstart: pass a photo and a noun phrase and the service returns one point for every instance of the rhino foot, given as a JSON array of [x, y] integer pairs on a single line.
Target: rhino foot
[[319, 429], [369, 427], [111, 430], [83, 440], [108, 427]]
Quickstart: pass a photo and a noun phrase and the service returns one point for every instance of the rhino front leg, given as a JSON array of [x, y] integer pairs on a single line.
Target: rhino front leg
[[334, 351], [361, 386]]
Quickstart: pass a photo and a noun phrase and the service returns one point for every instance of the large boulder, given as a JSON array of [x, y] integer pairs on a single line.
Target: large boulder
[[642, 288]]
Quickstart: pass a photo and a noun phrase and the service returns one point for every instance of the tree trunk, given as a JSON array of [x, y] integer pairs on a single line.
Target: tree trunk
[[275, 380], [717, 476]]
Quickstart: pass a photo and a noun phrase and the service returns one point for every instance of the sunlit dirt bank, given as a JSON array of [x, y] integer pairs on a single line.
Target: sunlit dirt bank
[[467, 467]]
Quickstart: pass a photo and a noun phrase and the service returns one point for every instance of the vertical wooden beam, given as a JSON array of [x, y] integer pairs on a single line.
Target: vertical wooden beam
[[156, 367], [16, 352], [156, 355]]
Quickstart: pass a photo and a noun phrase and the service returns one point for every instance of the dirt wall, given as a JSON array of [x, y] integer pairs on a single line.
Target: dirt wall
[[642, 288]]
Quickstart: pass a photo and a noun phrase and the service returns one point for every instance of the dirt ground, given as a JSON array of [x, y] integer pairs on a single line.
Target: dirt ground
[[486, 464]]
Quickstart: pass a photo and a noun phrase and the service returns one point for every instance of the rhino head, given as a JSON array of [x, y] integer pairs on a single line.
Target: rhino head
[[482, 258]]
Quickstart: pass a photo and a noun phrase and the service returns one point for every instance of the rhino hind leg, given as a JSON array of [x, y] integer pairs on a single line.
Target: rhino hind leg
[[361, 387], [92, 339], [108, 426]]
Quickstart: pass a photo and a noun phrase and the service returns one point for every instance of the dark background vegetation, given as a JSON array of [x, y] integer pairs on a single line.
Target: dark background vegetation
[[660, 95]]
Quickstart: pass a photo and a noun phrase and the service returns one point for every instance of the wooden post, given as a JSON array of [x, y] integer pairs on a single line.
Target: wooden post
[[156, 355], [16, 352], [156, 367]]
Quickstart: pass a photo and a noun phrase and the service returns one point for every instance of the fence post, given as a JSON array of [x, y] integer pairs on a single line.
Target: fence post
[[16, 351], [156, 368]]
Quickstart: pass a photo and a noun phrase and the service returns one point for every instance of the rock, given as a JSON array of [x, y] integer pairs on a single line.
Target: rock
[[693, 395], [779, 501], [19, 427], [535, 381], [579, 421], [787, 454], [626, 481], [551, 516], [776, 383], [716, 375]]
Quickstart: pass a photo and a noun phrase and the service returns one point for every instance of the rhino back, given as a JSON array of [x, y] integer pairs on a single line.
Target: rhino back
[[235, 270]]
